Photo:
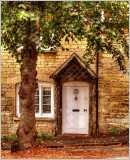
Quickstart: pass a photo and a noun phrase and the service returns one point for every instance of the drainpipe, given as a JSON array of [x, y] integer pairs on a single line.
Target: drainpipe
[[97, 58]]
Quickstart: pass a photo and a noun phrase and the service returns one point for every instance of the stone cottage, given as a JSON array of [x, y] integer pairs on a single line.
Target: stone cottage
[[71, 98]]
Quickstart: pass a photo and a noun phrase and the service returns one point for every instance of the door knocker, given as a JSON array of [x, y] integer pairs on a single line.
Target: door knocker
[[76, 91]]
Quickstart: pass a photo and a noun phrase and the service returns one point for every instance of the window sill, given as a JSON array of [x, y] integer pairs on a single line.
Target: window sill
[[45, 119], [16, 118], [37, 119]]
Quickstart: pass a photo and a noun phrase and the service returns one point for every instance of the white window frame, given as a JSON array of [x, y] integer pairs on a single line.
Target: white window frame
[[48, 48], [40, 114]]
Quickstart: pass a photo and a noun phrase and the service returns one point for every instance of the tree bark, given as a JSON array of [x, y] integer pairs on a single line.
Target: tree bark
[[26, 132]]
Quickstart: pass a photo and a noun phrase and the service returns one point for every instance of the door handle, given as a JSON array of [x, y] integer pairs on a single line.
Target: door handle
[[85, 110]]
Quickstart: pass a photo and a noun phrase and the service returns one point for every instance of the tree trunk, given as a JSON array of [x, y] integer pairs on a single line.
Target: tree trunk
[[26, 132]]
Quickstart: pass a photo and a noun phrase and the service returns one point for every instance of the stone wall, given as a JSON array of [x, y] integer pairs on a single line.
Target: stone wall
[[113, 96], [47, 63], [113, 90], [10, 75]]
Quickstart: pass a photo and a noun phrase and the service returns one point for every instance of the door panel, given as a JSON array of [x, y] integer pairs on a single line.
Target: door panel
[[81, 121], [70, 122], [75, 108]]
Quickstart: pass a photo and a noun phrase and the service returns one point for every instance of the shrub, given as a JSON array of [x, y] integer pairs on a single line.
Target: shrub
[[44, 135], [115, 131], [7, 138], [127, 129]]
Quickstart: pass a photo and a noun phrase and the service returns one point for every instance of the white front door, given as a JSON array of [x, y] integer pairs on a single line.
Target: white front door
[[75, 103]]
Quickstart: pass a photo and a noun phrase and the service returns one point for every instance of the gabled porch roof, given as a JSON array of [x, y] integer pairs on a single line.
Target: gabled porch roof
[[74, 66]]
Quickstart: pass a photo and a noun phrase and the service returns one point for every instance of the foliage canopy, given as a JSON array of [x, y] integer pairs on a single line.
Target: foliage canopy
[[45, 23]]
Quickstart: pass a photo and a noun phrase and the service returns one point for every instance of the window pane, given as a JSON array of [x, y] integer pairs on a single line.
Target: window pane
[[47, 100], [37, 101], [46, 91], [37, 92], [36, 108], [46, 108]]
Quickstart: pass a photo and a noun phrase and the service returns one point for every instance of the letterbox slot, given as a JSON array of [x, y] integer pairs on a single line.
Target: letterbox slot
[[75, 110]]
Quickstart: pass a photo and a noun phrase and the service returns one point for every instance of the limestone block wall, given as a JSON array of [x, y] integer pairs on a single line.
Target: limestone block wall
[[113, 96], [113, 90], [10, 75], [47, 63]]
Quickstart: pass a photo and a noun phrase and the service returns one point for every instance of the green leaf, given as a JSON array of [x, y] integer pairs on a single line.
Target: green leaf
[[22, 6], [103, 27], [97, 37]]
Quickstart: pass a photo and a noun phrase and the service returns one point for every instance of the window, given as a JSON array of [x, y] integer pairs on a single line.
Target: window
[[45, 48], [44, 100]]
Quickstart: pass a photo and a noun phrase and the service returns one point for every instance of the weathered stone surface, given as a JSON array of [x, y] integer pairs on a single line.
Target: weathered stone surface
[[113, 96], [3, 93], [7, 101], [46, 127], [113, 90]]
